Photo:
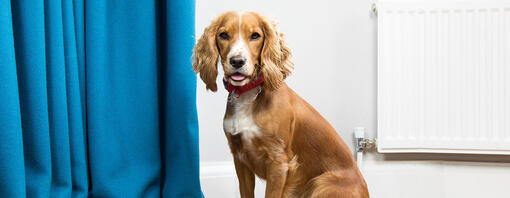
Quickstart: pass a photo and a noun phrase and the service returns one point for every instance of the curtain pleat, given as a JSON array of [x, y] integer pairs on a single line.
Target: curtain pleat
[[121, 83], [61, 185], [75, 101], [179, 106], [97, 99], [28, 20], [12, 169]]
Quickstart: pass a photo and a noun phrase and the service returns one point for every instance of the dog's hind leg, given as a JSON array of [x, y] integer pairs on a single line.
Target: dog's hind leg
[[338, 185]]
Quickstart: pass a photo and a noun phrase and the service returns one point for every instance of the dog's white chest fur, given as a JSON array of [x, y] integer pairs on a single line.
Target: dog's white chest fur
[[241, 121]]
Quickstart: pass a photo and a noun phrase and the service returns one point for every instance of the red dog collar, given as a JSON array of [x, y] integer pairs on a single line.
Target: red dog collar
[[241, 89]]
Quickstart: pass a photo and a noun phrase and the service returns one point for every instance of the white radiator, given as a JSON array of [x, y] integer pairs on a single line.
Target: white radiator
[[444, 77]]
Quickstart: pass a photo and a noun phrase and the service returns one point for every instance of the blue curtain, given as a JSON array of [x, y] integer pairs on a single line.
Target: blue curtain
[[97, 98]]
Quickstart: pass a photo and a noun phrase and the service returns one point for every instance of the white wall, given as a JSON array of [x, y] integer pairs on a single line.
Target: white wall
[[334, 50]]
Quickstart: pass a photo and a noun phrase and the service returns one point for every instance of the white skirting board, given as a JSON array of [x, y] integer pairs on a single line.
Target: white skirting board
[[218, 179], [388, 179]]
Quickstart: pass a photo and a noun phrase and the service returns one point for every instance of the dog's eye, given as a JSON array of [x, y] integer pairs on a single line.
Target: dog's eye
[[255, 36], [224, 36]]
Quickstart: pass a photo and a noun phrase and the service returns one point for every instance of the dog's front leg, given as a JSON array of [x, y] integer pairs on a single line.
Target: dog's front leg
[[246, 179], [276, 175]]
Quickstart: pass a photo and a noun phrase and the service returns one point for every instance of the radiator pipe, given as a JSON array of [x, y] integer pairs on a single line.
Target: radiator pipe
[[362, 144], [359, 135]]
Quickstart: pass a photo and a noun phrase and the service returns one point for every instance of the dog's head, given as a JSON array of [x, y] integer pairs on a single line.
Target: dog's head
[[248, 45]]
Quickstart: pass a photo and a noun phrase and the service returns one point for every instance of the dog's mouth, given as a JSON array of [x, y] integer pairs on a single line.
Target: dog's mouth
[[237, 77]]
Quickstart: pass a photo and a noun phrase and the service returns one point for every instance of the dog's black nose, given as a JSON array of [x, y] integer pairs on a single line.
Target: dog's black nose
[[237, 61]]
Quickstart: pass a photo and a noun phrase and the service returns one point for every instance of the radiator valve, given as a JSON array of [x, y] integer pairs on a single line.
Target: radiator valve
[[362, 143]]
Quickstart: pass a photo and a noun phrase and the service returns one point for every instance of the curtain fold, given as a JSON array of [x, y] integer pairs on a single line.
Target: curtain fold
[[12, 167], [97, 99]]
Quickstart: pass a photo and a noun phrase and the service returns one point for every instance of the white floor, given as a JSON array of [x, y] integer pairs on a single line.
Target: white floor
[[416, 179]]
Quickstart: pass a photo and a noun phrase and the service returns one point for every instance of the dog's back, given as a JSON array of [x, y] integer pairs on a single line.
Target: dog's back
[[323, 158]]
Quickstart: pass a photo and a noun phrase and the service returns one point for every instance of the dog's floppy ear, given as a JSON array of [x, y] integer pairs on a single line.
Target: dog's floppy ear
[[275, 56], [205, 56]]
